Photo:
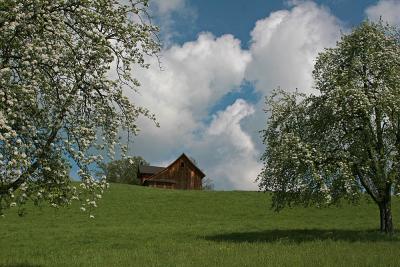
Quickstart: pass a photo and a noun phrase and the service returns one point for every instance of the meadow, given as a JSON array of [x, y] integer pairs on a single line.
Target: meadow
[[137, 226]]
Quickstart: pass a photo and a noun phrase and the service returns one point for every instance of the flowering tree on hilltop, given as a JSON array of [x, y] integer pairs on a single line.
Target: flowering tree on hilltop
[[345, 140], [57, 100], [124, 171]]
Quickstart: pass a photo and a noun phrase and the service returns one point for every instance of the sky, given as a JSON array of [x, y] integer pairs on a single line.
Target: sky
[[219, 61]]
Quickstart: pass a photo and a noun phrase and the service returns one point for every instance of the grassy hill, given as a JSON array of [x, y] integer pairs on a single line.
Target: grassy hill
[[136, 226]]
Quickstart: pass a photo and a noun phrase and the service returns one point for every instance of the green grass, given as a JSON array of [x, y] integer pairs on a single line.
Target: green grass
[[136, 226]]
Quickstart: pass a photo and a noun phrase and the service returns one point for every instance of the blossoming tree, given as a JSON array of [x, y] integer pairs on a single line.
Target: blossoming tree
[[58, 100], [345, 140]]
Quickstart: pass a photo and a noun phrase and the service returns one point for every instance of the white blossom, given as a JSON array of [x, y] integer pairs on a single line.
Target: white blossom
[[58, 97], [343, 142]]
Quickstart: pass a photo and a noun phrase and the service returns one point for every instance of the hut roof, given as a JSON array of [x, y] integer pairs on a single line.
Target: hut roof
[[150, 169], [189, 160]]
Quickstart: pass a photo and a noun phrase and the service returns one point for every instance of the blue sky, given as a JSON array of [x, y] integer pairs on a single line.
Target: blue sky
[[220, 59], [238, 17]]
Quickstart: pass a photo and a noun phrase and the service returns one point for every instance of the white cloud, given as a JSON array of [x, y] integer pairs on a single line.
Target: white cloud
[[232, 157], [389, 10], [164, 7], [167, 13], [226, 124], [196, 75], [284, 48], [286, 43]]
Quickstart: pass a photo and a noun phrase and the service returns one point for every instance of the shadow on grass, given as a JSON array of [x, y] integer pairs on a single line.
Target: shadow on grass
[[303, 235]]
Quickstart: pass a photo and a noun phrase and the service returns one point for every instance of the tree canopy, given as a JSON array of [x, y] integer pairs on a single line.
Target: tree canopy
[[63, 68], [123, 171], [344, 140]]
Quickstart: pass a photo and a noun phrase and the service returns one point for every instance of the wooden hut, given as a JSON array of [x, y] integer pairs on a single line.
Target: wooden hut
[[180, 174]]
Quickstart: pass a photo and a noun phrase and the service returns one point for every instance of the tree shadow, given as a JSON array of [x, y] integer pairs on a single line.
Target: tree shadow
[[303, 235]]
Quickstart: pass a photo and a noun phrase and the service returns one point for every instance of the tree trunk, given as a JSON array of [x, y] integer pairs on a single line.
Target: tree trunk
[[385, 210]]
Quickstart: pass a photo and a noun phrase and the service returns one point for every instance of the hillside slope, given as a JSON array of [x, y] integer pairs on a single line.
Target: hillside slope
[[137, 226]]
